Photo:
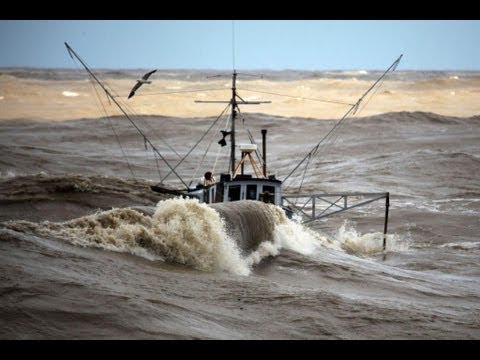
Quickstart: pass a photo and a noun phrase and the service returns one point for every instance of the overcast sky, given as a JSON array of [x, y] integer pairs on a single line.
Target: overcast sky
[[259, 44]]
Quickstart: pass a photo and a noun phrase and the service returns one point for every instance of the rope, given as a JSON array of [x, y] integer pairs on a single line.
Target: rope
[[336, 135], [365, 103], [350, 113], [303, 178], [142, 120], [147, 154], [107, 117], [198, 142], [156, 162], [322, 144], [117, 138], [151, 130], [147, 125], [116, 135], [226, 160], [73, 53], [176, 92], [203, 157], [300, 97], [221, 147]]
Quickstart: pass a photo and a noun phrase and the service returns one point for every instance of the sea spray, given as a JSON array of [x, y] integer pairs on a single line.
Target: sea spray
[[230, 237], [193, 233], [180, 230], [355, 243]]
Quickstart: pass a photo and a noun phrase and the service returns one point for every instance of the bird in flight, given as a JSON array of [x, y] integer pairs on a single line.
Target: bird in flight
[[143, 80]]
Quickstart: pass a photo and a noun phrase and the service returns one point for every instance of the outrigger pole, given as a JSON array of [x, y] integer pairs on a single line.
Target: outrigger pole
[[234, 104], [311, 208], [73, 53], [350, 111]]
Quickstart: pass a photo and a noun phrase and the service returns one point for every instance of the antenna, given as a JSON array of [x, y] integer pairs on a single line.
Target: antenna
[[234, 105], [233, 44]]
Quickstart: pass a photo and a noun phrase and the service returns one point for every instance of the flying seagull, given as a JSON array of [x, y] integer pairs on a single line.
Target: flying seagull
[[140, 82]]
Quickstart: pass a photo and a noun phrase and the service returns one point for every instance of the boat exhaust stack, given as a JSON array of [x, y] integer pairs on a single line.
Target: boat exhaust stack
[[264, 151]]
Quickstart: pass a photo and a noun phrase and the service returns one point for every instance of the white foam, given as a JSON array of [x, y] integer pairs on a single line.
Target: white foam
[[466, 245], [290, 235], [355, 72], [298, 238], [181, 230], [192, 233], [70, 94], [8, 174], [354, 242]]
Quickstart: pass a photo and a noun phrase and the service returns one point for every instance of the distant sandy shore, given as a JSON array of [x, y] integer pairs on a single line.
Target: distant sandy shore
[[38, 99]]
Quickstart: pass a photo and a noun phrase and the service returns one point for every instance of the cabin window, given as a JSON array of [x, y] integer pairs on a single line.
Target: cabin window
[[251, 192], [268, 194], [234, 193]]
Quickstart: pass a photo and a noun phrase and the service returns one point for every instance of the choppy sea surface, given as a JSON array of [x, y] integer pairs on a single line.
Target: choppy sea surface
[[87, 251]]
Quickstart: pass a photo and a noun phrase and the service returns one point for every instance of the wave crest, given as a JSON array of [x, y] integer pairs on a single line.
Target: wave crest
[[231, 237]]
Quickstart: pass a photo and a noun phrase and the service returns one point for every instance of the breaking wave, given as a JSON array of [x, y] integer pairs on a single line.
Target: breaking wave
[[221, 238], [353, 242]]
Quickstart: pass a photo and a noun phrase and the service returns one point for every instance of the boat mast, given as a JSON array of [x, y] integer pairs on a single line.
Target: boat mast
[[233, 103]]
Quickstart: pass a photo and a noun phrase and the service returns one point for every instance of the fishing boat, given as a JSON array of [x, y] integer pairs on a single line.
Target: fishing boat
[[235, 184]]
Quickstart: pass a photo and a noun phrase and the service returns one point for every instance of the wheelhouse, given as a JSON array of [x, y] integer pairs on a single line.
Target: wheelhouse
[[242, 187]]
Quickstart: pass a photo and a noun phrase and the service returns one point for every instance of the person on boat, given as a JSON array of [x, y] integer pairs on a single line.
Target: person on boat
[[267, 197], [207, 179]]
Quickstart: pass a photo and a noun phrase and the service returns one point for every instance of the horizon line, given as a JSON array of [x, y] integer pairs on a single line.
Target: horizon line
[[230, 70]]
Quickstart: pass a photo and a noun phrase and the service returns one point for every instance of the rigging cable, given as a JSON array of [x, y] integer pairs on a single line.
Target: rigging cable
[[333, 139], [214, 135], [144, 121], [233, 44], [107, 117], [221, 147], [226, 159], [116, 135], [176, 92], [72, 52], [300, 97], [198, 142], [158, 166], [348, 114]]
